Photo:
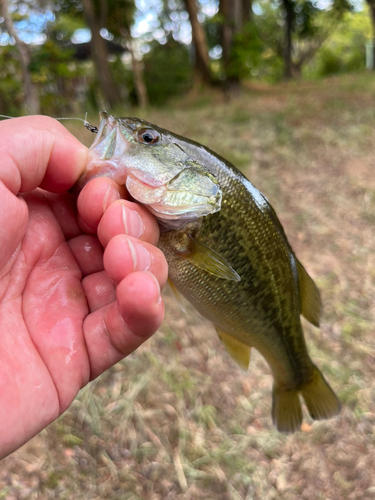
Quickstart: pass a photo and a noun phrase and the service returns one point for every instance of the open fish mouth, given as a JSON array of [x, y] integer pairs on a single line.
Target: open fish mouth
[[159, 175], [109, 141]]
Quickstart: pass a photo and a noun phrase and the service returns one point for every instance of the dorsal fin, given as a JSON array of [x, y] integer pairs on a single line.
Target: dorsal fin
[[311, 304]]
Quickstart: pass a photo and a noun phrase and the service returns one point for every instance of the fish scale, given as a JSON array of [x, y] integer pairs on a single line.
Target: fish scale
[[227, 254]]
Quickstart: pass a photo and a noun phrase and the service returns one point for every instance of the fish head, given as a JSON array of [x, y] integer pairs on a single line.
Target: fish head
[[155, 169]]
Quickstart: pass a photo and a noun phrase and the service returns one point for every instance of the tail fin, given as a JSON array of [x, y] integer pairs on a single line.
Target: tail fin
[[320, 399], [286, 410]]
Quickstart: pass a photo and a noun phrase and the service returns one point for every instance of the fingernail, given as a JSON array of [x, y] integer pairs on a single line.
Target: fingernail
[[132, 222], [140, 255], [110, 196], [158, 300]]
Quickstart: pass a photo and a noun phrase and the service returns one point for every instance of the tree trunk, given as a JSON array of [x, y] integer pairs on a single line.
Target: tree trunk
[[371, 4], [231, 11], [202, 67], [100, 54], [288, 44], [139, 82], [246, 11], [31, 93]]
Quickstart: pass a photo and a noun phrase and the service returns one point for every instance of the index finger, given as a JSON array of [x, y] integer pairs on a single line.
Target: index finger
[[37, 151]]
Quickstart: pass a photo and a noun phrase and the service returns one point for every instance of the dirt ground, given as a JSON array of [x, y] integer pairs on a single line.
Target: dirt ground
[[177, 419]]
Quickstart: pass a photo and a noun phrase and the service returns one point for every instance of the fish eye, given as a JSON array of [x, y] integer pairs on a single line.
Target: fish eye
[[148, 136]]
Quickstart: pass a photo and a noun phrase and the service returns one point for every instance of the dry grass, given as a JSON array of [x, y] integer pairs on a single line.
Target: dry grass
[[177, 419]]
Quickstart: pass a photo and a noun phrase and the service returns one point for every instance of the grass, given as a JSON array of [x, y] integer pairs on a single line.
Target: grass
[[177, 420]]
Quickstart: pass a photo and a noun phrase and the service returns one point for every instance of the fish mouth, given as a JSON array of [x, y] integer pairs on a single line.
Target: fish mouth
[[114, 137], [113, 141], [106, 139]]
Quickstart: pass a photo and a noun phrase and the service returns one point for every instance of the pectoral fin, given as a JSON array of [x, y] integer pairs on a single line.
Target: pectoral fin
[[177, 295], [239, 352], [311, 305], [207, 259]]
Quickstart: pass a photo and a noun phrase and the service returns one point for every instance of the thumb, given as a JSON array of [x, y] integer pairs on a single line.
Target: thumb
[[35, 151]]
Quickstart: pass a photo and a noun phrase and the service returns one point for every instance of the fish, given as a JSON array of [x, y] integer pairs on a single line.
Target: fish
[[227, 254]]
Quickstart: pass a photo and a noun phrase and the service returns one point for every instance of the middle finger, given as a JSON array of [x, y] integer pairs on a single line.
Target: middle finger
[[126, 217]]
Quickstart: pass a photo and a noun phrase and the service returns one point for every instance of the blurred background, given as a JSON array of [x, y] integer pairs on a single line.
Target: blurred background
[[65, 56], [285, 90]]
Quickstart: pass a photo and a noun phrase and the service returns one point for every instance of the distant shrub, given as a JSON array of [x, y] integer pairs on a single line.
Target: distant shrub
[[11, 93], [334, 62], [167, 71], [345, 50]]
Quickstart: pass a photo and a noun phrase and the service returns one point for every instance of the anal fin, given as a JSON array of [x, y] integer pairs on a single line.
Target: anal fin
[[239, 352]]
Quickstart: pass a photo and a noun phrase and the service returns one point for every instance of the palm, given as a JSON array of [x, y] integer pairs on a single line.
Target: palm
[[43, 308]]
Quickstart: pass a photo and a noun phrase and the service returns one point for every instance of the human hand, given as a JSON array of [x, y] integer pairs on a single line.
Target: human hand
[[68, 309]]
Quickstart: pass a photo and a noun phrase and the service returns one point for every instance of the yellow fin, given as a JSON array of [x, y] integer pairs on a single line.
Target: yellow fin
[[177, 295], [320, 399], [286, 410], [207, 259], [311, 304], [239, 352]]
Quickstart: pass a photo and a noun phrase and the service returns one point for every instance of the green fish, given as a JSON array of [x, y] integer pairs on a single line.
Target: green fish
[[227, 254]]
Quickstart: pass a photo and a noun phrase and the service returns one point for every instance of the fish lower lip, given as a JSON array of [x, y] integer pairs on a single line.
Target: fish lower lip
[[96, 170], [142, 192]]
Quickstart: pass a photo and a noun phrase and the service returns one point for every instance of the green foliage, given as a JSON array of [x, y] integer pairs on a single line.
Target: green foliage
[[269, 23], [57, 76], [303, 17], [64, 26], [10, 81], [345, 50], [247, 52], [66, 85], [123, 77], [120, 17], [254, 52], [115, 15], [168, 71], [124, 80], [310, 25], [333, 62], [212, 27]]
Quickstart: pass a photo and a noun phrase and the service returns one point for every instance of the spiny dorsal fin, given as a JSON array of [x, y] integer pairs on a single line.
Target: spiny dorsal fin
[[239, 352], [207, 259], [311, 304]]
